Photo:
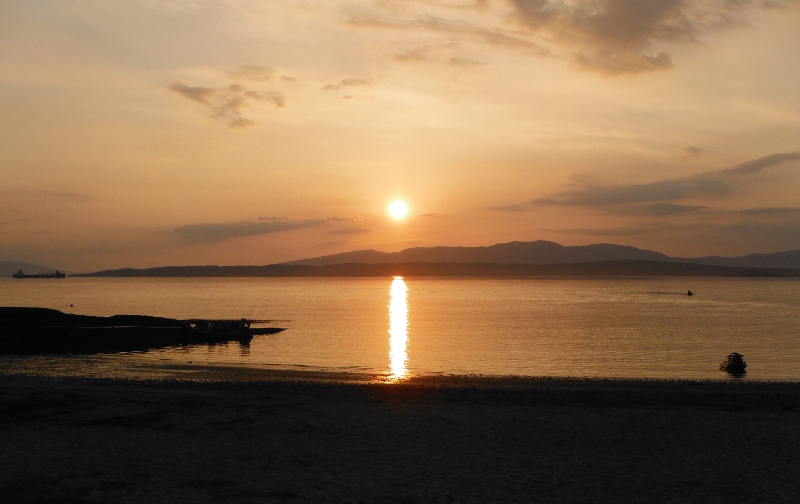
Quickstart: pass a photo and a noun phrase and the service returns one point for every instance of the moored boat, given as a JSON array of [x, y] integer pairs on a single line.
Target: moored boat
[[734, 363]]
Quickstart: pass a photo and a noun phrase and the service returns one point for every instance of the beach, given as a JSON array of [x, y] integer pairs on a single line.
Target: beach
[[279, 436]]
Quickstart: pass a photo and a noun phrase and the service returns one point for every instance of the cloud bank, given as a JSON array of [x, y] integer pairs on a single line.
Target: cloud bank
[[609, 37], [215, 232], [661, 195], [221, 231]]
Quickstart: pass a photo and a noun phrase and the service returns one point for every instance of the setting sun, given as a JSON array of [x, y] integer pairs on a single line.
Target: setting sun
[[398, 209]]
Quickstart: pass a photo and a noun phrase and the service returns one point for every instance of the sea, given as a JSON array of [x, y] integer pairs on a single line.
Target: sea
[[395, 328]]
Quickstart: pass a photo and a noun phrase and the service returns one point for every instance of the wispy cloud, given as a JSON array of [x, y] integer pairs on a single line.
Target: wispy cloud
[[770, 211], [215, 232], [662, 209], [346, 83], [220, 231], [692, 152], [662, 190], [609, 37], [350, 231], [660, 195], [778, 4], [63, 196], [228, 103], [458, 29], [30, 193], [759, 164], [350, 88], [252, 73], [727, 235]]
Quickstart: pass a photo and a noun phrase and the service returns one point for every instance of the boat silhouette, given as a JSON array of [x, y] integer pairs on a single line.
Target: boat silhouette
[[57, 274]]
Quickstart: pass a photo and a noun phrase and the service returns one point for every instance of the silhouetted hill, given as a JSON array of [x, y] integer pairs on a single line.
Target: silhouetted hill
[[589, 269], [8, 268], [536, 252], [545, 252], [538, 258]]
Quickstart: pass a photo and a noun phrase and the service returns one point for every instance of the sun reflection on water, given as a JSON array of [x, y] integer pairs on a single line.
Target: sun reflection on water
[[398, 329]]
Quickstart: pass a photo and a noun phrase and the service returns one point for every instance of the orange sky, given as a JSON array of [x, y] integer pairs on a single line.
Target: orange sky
[[143, 133]]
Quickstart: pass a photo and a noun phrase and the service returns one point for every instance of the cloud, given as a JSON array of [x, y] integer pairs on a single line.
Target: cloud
[[419, 54], [198, 94], [769, 210], [725, 237], [423, 55], [663, 190], [759, 164], [617, 231], [228, 103], [778, 4], [26, 192], [609, 37], [691, 152], [663, 209], [215, 232], [345, 84], [66, 197], [660, 193], [350, 231], [470, 32], [596, 195], [463, 62], [252, 73], [240, 122]]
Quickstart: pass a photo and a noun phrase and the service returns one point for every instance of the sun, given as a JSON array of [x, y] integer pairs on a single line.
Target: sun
[[398, 209]]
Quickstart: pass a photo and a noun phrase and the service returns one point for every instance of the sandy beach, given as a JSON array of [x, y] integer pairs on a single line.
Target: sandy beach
[[304, 437]]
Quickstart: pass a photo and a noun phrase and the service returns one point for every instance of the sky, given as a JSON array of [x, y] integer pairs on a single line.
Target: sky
[[166, 132]]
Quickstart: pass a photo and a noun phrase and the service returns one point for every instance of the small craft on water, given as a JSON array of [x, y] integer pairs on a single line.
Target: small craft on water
[[57, 274], [734, 363]]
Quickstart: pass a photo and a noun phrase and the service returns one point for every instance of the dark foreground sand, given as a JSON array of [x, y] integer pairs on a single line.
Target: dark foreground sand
[[430, 440]]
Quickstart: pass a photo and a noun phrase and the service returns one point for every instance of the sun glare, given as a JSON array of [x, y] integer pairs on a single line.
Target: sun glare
[[398, 329], [398, 209]]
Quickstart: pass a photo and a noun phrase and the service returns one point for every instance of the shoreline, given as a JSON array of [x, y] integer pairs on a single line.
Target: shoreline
[[81, 366], [302, 438], [651, 391]]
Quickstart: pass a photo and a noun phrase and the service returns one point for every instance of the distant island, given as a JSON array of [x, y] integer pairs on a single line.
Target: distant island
[[538, 258]]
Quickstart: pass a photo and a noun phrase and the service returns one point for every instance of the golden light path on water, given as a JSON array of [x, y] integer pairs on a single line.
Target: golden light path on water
[[398, 329]]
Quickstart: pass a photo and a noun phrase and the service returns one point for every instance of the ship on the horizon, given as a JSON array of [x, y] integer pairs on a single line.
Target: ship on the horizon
[[57, 274]]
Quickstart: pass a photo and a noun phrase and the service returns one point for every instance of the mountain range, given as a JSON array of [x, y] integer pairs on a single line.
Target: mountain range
[[538, 258], [544, 252]]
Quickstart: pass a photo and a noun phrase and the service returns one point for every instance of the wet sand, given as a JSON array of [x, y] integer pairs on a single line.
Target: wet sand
[[306, 437]]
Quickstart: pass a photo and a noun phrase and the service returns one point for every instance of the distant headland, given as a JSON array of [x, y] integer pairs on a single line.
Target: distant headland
[[537, 258]]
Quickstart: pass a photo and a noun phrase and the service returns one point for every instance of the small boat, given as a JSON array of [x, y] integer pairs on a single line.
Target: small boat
[[734, 363], [57, 274]]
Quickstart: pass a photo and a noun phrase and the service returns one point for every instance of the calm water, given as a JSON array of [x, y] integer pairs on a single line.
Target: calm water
[[636, 328]]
